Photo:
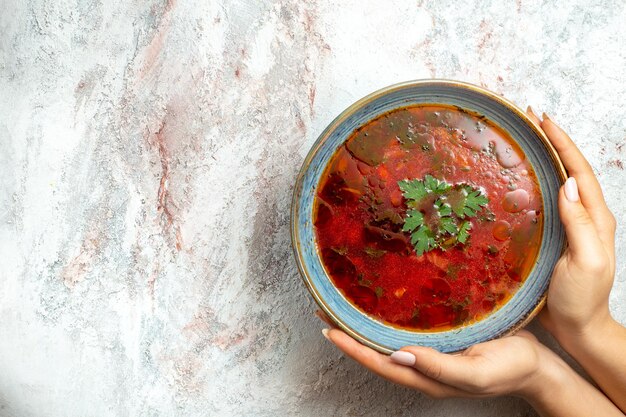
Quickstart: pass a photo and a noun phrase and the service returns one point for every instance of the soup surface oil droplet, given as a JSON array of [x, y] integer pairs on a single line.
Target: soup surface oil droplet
[[507, 156], [501, 230], [516, 201]]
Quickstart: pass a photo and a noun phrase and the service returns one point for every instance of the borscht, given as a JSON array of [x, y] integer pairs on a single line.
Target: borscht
[[428, 217]]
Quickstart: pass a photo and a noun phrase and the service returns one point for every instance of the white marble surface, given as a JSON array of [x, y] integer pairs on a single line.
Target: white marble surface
[[148, 152]]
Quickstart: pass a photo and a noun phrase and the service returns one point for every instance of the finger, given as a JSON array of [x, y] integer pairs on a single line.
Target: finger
[[546, 320], [533, 116], [458, 371], [383, 366], [578, 167], [322, 316], [581, 232], [527, 335]]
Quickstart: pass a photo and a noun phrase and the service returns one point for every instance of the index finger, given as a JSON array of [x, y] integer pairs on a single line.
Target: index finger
[[455, 370], [590, 191], [383, 366]]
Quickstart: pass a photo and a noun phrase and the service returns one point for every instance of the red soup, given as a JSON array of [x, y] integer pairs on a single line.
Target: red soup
[[428, 217]]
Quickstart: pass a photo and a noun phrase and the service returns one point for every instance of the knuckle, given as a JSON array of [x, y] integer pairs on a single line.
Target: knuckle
[[611, 221], [480, 382], [596, 265], [433, 370], [581, 218]]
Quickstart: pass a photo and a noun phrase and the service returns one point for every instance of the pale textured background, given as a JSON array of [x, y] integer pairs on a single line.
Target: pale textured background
[[147, 156]]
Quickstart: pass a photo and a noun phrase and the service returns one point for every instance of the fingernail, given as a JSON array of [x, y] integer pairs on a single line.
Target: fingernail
[[544, 116], [325, 333], [571, 190], [403, 358], [531, 111]]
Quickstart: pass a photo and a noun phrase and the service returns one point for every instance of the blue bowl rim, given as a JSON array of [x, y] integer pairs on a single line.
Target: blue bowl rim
[[558, 164]]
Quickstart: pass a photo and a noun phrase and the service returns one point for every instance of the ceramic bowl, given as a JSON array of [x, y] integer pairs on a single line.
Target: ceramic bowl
[[522, 306]]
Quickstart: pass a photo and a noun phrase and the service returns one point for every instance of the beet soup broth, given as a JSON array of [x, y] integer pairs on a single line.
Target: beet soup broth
[[428, 218]]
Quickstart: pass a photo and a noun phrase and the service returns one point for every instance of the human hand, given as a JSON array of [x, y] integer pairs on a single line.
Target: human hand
[[582, 279], [514, 365], [577, 312]]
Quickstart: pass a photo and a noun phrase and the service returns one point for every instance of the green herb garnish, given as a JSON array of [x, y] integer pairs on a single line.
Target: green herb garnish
[[422, 238], [463, 232], [473, 202], [418, 189], [438, 213]]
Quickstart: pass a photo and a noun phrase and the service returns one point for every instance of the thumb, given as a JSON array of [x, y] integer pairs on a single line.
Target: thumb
[[582, 235], [456, 370]]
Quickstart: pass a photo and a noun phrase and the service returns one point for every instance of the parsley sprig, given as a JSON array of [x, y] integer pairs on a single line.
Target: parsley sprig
[[449, 223]]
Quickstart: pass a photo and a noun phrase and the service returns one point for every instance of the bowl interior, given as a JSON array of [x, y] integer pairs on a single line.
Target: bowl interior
[[550, 174]]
